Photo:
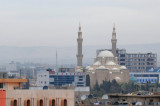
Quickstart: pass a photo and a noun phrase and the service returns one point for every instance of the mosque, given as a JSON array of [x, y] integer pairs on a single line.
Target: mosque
[[106, 67]]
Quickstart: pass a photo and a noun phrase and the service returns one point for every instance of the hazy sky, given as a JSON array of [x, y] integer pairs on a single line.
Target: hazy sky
[[55, 22]]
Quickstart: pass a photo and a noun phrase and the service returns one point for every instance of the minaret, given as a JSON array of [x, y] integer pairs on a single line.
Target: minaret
[[79, 41], [114, 42]]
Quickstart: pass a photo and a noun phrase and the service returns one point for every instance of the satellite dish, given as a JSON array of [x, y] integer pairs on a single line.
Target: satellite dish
[[90, 96], [83, 97], [105, 97], [139, 103]]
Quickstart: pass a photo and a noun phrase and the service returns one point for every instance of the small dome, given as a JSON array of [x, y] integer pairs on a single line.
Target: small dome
[[105, 53], [101, 67], [90, 69], [93, 72], [123, 68], [115, 69], [97, 63], [111, 63], [87, 67], [118, 79]]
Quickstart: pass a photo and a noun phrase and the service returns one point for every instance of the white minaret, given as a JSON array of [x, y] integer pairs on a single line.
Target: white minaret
[[79, 41], [114, 42]]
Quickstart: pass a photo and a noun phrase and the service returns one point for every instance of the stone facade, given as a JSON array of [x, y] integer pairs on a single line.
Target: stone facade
[[106, 68], [35, 97]]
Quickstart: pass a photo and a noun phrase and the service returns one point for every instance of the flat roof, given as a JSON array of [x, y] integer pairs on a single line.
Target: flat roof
[[140, 96], [13, 80]]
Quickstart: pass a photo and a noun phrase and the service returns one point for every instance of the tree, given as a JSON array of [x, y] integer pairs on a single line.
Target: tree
[[115, 87], [96, 87]]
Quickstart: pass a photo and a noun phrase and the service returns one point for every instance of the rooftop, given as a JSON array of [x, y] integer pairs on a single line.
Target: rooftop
[[13, 80]]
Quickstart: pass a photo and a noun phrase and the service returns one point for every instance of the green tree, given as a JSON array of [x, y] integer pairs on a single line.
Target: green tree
[[115, 87]]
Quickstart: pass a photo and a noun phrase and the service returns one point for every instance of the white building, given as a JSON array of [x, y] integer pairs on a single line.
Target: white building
[[11, 67], [43, 78]]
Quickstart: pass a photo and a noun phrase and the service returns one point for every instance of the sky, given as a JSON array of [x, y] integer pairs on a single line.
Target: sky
[[55, 22]]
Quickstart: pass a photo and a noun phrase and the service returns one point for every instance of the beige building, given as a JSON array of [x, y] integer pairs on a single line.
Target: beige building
[[40, 97], [11, 94], [106, 66]]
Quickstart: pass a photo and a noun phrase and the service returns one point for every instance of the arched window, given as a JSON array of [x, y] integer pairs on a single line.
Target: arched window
[[27, 102], [52, 102], [14, 102], [40, 102], [64, 102]]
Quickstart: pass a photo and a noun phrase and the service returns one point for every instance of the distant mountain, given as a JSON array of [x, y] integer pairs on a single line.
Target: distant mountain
[[66, 55]]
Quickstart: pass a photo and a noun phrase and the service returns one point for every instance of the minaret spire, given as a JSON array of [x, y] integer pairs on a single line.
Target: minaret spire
[[114, 27], [79, 27], [79, 41], [114, 41]]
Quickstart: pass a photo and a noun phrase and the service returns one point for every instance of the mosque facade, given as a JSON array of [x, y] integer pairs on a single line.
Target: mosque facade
[[106, 67]]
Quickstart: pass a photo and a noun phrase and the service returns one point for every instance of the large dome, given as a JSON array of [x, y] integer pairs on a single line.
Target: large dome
[[110, 63], [105, 53]]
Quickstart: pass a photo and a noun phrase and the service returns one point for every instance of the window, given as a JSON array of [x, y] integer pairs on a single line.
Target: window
[[80, 76], [80, 83], [27, 102], [1, 85], [122, 59], [40, 102], [80, 79], [14, 102], [52, 102], [122, 63], [64, 102], [122, 55]]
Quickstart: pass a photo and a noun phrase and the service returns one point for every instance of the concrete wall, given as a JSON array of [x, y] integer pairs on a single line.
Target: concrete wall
[[11, 85], [35, 95], [2, 98], [105, 75]]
